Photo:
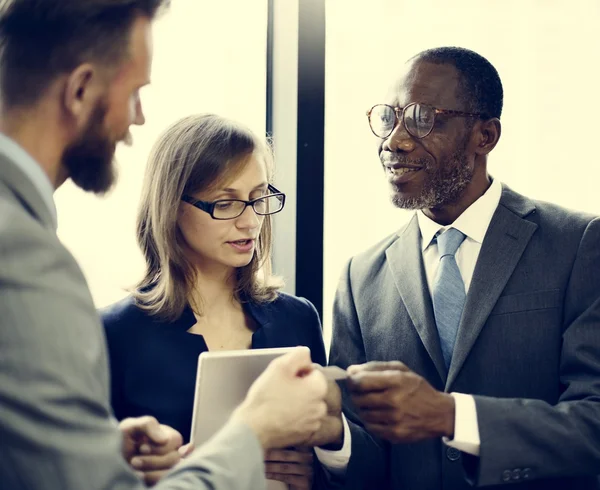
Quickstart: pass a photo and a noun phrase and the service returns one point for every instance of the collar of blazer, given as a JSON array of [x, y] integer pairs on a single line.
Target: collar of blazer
[[504, 243], [25, 192]]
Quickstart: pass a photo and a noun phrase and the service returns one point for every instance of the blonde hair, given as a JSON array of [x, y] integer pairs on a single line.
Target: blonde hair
[[196, 153]]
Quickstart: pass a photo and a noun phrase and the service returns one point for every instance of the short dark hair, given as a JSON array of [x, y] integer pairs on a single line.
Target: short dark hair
[[42, 39], [481, 85]]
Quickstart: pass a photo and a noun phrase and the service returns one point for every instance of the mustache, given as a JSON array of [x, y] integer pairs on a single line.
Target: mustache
[[402, 160]]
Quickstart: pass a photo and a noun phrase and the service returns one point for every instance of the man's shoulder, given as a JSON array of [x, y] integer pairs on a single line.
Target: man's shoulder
[[547, 214], [376, 253], [28, 248]]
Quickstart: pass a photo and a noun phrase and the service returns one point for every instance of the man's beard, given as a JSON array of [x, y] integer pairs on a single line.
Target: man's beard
[[89, 161], [442, 186]]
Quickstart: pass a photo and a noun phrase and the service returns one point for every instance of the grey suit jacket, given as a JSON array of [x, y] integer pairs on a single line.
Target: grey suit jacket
[[56, 427], [528, 349]]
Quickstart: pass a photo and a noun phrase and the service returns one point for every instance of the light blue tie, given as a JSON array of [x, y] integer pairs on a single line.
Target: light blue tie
[[448, 291]]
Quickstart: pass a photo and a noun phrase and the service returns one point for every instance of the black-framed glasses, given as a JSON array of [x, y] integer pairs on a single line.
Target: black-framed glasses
[[418, 119], [232, 208]]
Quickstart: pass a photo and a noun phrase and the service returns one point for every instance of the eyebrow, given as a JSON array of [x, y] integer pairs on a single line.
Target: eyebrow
[[230, 190]]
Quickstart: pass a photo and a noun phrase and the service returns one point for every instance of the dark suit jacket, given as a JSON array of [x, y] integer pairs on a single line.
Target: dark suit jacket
[[528, 349], [153, 363]]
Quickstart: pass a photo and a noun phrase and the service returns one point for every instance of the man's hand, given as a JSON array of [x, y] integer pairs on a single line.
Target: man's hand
[[149, 447], [291, 466], [398, 405], [286, 404], [331, 433]]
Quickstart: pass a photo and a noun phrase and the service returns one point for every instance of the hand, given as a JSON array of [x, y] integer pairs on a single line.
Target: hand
[[331, 432], [398, 405], [291, 466], [149, 447], [286, 404]]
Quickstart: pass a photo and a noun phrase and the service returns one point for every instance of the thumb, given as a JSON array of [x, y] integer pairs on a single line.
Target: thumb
[[297, 362], [150, 428]]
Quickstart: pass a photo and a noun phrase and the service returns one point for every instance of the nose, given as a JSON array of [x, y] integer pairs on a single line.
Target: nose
[[248, 220], [399, 141], [139, 119]]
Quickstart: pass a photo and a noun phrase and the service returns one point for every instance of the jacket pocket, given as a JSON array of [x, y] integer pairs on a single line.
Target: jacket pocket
[[535, 300]]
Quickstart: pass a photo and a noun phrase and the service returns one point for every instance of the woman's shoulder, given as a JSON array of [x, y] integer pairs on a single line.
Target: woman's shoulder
[[122, 315], [288, 304]]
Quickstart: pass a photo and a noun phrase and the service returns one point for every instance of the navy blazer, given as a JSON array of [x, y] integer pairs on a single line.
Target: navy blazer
[[153, 363]]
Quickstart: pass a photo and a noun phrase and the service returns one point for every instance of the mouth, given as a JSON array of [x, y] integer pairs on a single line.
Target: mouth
[[399, 174], [244, 245]]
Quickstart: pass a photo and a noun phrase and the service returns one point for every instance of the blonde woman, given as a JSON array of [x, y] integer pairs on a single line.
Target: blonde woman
[[204, 227]]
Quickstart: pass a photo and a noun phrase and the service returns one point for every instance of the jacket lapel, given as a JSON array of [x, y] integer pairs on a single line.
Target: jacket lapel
[[406, 262], [504, 243], [31, 199]]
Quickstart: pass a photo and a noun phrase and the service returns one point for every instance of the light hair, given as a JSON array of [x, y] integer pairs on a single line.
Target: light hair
[[196, 153]]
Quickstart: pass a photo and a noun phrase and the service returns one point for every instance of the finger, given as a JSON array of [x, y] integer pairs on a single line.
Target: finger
[[295, 363], [148, 449], [387, 432], [151, 478], [156, 462], [172, 442], [300, 482], [380, 416], [185, 451], [318, 384], [289, 468], [366, 381], [289, 456], [372, 366], [375, 400], [146, 427]]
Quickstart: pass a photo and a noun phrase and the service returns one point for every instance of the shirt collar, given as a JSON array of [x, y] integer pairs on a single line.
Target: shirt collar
[[473, 222], [16, 154]]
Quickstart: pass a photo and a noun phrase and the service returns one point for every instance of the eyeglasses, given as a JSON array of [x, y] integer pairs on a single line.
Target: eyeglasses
[[232, 208], [418, 119]]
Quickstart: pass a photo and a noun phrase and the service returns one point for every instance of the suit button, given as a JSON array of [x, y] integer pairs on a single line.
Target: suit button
[[452, 453], [526, 473], [516, 474], [506, 475]]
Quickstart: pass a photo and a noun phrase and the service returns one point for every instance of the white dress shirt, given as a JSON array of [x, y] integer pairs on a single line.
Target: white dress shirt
[[32, 169], [473, 223]]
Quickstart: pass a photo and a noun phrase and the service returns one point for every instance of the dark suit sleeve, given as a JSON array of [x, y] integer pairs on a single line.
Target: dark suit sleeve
[[367, 467], [532, 436]]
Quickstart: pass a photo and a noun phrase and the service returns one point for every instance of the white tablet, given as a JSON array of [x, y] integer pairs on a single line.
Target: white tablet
[[222, 381]]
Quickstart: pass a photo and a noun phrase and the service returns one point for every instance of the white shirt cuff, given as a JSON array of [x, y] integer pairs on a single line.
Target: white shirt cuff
[[466, 428], [336, 462]]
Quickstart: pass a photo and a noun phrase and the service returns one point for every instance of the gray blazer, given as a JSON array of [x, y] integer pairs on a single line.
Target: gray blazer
[[56, 427], [528, 349]]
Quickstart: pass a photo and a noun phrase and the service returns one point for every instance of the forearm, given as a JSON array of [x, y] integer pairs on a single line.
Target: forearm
[[232, 460]]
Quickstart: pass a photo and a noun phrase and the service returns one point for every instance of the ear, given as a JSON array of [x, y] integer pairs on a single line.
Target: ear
[[81, 92], [487, 135]]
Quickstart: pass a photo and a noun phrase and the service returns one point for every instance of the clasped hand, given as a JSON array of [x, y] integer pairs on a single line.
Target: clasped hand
[[397, 404]]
